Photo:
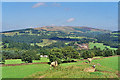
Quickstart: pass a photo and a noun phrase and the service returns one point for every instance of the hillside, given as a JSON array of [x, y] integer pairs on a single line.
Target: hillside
[[58, 36], [61, 28], [63, 44], [68, 29]]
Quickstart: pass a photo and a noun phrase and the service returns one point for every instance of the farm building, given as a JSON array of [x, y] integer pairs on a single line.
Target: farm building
[[44, 56]]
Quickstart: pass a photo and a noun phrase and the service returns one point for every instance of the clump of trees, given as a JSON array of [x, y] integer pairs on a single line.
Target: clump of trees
[[118, 51], [107, 52], [28, 56], [25, 55], [2, 58], [63, 54], [88, 54], [11, 54], [98, 52]]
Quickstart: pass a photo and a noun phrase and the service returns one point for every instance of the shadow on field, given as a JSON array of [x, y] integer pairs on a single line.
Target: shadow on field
[[65, 61]]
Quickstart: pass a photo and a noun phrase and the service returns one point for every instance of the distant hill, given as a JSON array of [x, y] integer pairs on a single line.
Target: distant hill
[[58, 36], [69, 29]]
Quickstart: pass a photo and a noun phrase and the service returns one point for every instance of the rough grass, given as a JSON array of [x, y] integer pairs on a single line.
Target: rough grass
[[99, 45]]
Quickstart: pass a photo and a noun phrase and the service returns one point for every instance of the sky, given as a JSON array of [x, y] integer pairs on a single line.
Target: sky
[[21, 15]]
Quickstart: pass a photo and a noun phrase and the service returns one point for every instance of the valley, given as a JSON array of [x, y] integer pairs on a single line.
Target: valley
[[24, 48]]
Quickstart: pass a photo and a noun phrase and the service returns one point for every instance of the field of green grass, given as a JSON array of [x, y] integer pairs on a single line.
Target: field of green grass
[[75, 37], [45, 42], [18, 61], [23, 70], [99, 45], [108, 68]]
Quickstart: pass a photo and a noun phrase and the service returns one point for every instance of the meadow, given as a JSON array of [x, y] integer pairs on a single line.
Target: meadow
[[45, 42], [108, 68], [99, 45], [18, 61], [23, 70]]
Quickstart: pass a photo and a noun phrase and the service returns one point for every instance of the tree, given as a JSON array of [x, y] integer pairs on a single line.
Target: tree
[[55, 55], [63, 54], [118, 51], [70, 53], [88, 54], [28, 56], [107, 52], [2, 57], [85, 54], [91, 55]]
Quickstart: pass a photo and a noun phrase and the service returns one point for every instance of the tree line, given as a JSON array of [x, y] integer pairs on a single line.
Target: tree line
[[67, 53]]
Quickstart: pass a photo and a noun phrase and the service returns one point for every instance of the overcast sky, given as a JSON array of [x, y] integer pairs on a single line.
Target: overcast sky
[[20, 15]]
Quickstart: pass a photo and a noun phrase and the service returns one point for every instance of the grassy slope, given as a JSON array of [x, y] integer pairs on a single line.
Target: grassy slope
[[65, 70], [99, 45], [111, 62], [108, 69]]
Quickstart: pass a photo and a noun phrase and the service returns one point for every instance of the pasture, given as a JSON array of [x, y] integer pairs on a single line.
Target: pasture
[[23, 70], [18, 61], [99, 45], [45, 42], [75, 37], [108, 68]]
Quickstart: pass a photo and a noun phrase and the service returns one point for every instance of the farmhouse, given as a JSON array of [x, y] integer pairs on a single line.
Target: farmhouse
[[45, 56]]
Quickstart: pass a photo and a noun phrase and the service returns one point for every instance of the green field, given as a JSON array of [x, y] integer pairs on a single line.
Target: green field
[[99, 45], [18, 61], [108, 69], [45, 42], [23, 70], [75, 37]]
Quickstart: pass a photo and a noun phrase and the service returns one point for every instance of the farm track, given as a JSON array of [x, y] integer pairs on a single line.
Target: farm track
[[44, 62]]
